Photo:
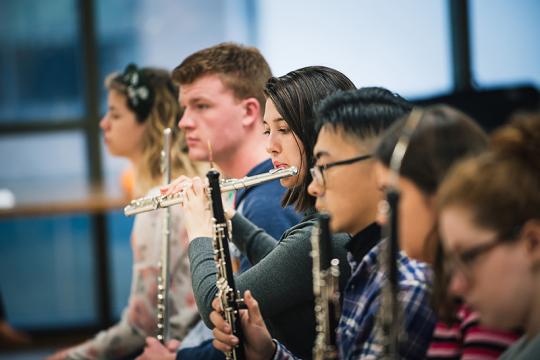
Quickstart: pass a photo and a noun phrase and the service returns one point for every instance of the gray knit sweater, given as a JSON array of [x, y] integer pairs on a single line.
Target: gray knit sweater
[[280, 279]]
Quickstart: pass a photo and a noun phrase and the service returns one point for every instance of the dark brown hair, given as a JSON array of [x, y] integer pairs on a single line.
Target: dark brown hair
[[501, 188], [295, 95], [242, 69], [443, 137]]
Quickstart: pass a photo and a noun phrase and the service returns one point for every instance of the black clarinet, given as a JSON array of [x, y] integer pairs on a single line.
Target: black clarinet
[[230, 298], [325, 290], [391, 316], [391, 311]]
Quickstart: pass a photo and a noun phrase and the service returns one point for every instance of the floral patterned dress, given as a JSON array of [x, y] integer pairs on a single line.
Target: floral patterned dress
[[139, 318]]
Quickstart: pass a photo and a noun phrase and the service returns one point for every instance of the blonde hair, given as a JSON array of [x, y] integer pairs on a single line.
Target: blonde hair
[[164, 113]]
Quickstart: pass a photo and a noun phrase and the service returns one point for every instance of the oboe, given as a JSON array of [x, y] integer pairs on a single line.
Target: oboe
[[163, 277], [161, 201], [228, 295], [390, 315], [326, 291], [390, 319]]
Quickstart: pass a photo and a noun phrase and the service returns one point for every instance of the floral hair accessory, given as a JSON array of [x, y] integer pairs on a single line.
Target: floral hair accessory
[[139, 94]]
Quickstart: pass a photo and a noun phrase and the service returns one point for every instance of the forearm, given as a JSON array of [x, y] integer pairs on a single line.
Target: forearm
[[117, 341], [285, 273], [251, 240], [203, 276]]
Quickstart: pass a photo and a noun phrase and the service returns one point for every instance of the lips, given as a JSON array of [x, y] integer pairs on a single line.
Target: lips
[[191, 140], [280, 165]]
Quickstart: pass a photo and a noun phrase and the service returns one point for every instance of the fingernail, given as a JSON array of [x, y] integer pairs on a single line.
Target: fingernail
[[234, 340]]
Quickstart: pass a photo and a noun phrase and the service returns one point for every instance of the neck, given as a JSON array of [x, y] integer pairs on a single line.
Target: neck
[[252, 151], [363, 222], [532, 326], [140, 187]]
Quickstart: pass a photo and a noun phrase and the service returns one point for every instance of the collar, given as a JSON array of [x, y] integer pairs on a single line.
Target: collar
[[361, 243]]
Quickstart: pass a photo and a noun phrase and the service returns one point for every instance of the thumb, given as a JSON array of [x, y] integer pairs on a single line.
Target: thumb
[[216, 304], [150, 340], [173, 345], [253, 308]]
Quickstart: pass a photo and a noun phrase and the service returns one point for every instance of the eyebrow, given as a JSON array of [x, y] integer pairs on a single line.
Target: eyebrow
[[197, 99], [193, 101], [321, 153], [274, 120]]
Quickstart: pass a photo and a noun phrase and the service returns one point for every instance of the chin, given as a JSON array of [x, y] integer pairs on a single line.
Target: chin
[[496, 322], [113, 152], [335, 227], [289, 182], [197, 154]]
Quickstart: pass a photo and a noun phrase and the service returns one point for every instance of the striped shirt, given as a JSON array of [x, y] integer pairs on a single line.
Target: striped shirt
[[466, 340]]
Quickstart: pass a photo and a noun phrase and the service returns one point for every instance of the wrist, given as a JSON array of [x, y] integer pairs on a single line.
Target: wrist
[[273, 348], [199, 235]]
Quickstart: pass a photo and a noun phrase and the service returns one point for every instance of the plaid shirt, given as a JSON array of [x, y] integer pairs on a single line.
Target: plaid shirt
[[356, 334]]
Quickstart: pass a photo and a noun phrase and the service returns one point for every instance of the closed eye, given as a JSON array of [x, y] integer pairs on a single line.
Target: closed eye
[[202, 106]]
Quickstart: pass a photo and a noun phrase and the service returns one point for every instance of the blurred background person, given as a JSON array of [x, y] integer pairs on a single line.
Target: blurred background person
[[141, 104], [490, 224]]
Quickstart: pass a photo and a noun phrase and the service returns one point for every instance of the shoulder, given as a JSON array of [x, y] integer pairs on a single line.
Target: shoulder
[[304, 227], [271, 191], [414, 273]]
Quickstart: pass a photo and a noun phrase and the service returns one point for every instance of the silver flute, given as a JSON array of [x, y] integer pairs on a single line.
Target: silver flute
[[144, 204], [325, 291], [164, 277]]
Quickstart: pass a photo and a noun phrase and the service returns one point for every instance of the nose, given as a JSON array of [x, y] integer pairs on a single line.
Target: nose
[[186, 121], [273, 146], [458, 283], [315, 189], [104, 122]]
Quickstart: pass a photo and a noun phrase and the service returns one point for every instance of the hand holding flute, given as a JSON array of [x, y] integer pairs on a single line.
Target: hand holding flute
[[173, 194], [196, 206]]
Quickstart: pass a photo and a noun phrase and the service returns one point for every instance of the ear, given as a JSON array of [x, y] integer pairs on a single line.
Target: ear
[[252, 112], [531, 234]]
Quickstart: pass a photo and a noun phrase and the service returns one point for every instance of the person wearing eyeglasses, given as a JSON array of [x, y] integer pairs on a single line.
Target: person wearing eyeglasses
[[489, 214], [345, 186]]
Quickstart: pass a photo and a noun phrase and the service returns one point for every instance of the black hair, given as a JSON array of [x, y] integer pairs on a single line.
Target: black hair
[[443, 136], [295, 95], [363, 113]]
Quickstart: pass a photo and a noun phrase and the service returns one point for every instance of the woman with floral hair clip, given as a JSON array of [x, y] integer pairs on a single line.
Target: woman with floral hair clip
[[142, 102]]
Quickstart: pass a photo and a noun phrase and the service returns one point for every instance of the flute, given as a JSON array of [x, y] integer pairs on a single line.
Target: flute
[[164, 277], [229, 297], [144, 204], [325, 290]]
